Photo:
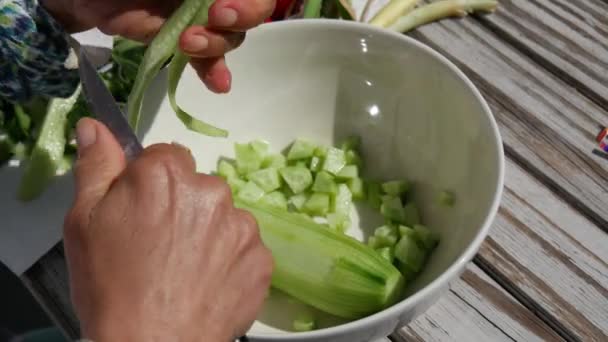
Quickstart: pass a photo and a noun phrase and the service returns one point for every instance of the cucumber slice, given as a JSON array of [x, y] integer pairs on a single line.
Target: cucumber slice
[[298, 178], [226, 170], [335, 160], [348, 172], [301, 149], [247, 158], [409, 253], [274, 160], [411, 215], [374, 197], [297, 201], [357, 188], [324, 182], [395, 188], [267, 179], [317, 205], [392, 209], [275, 199], [342, 201], [251, 192]]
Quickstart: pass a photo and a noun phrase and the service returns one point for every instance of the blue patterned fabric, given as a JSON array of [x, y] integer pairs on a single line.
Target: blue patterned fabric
[[33, 51]]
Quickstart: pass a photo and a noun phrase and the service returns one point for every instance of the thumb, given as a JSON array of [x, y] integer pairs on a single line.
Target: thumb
[[100, 161]]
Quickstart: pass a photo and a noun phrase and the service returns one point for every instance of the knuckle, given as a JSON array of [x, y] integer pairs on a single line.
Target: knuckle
[[74, 222]]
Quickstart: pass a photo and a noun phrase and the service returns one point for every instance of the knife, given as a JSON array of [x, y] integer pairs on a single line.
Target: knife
[[103, 105]]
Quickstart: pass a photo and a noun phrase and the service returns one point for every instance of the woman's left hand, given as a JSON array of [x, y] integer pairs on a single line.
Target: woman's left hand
[[142, 19]]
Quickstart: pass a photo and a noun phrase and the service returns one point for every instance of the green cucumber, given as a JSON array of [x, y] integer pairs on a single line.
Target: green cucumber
[[297, 178], [267, 179], [334, 161], [251, 192], [395, 188], [301, 149], [317, 205], [324, 182]]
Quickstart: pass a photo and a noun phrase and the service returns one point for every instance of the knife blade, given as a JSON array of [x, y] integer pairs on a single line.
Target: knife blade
[[103, 105]]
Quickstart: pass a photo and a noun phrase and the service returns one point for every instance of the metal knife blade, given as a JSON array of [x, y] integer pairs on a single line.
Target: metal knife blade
[[104, 106]]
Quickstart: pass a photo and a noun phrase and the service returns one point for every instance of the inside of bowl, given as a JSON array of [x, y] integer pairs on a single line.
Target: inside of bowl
[[418, 119]]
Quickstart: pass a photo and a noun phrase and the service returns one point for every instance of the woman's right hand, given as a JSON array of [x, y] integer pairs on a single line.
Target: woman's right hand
[[156, 251]]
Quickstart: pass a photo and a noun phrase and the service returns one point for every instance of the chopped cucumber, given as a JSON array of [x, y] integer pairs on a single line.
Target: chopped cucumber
[[274, 160], [226, 170], [317, 205], [297, 201], [304, 322], [247, 158], [334, 161], [407, 231], [342, 201], [267, 179], [301, 149], [251, 192], [338, 222], [351, 143], [236, 184], [298, 178], [392, 209], [316, 164], [411, 215], [260, 147], [395, 188], [321, 152], [348, 172], [410, 253], [298, 163], [387, 253], [324, 182], [357, 188], [374, 197], [446, 198], [353, 158], [275, 199]]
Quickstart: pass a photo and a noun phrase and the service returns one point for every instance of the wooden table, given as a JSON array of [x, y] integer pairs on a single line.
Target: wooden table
[[542, 274]]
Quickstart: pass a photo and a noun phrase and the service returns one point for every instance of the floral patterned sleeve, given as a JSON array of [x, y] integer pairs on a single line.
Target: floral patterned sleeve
[[33, 53]]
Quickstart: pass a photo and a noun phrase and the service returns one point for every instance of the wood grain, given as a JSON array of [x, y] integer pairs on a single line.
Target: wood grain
[[477, 309], [545, 250], [559, 124], [570, 38]]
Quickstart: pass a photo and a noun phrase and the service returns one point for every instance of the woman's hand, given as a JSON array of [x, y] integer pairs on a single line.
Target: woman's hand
[[142, 19], [156, 251]]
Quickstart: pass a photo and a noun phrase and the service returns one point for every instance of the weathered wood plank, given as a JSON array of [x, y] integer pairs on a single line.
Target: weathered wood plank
[[568, 37], [553, 255], [477, 309], [551, 113]]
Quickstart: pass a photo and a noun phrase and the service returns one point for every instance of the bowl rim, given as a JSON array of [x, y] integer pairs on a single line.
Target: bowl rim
[[456, 267]]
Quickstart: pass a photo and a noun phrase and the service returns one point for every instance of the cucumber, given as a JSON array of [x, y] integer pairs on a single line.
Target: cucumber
[[357, 188], [387, 253], [274, 160], [226, 170], [392, 209], [297, 178], [275, 199], [374, 197], [342, 201], [316, 164], [353, 158], [395, 188], [348, 172], [297, 201], [338, 222], [247, 158], [301, 149], [317, 205], [334, 161], [267, 179], [324, 182], [351, 143], [410, 253], [426, 237], [411, 214], [251, 192]]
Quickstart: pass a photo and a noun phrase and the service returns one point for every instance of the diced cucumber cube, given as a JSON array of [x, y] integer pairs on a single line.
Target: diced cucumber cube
[[298, 178], [316, 164], [324, 182], [275, 199], [267, 179], [321, 152], [297, 201], [247, 158], [261, 147], [299, 163], [342, 201], [301, 149], [335, 160], [226, 170], [409, 253], [236, 184], [395, 188], [351, 143], [274, 160], [386, 236], [304, 322], [411, 215], [353, 158], [387, 253], [338, 222], [251, 192], [348, 172], [386, 230], [427, 238], [446, 198], [407, 231], [357, 188], [392, 209], [408, 273], [374, 197], [317, 205]]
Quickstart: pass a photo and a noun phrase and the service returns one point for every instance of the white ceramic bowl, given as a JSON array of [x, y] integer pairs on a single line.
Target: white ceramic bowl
[[420, 119]]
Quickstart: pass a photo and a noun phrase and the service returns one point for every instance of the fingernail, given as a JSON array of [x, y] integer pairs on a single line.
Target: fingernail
[[197, 43], [225, 17], [86, 134]]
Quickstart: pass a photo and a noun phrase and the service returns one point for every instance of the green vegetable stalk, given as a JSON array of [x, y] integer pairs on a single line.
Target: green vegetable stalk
[[439, 10], [391, 12], [312, 8]]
